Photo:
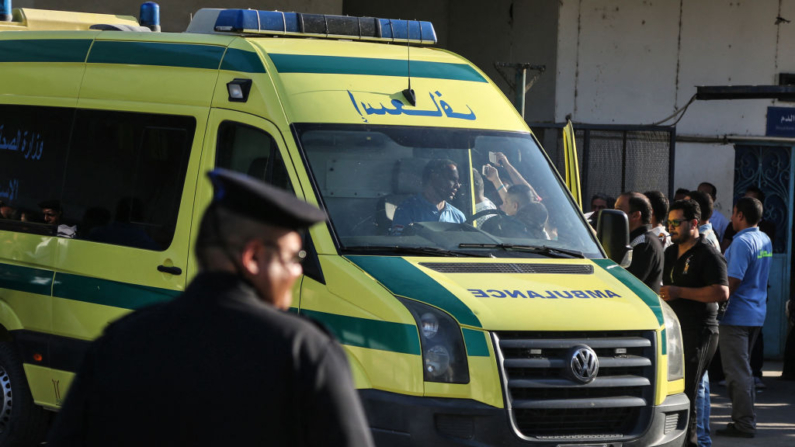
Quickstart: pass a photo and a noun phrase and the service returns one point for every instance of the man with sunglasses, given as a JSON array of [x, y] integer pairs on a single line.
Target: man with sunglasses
[[222, 364], [694, 281]]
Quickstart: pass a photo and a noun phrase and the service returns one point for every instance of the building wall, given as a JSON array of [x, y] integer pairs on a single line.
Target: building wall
[[175, 14], [638, 62], [488, 32]]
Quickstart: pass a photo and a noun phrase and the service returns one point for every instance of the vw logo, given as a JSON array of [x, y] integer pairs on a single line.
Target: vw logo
[[583, 364]]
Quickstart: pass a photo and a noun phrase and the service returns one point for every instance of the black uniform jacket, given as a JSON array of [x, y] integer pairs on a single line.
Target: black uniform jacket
[[647, 257], [216, 366]]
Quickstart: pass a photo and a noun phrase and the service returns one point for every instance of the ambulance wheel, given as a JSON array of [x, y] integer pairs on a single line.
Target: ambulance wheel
[[22, 423]]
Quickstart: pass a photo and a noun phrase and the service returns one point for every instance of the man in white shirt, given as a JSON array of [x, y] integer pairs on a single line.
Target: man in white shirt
[[659, 206], [482, 203]]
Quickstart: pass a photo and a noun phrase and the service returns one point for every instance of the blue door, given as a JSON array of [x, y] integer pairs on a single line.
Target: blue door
[[769, 168]]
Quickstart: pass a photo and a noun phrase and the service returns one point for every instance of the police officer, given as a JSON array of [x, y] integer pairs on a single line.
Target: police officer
[[222, 364]]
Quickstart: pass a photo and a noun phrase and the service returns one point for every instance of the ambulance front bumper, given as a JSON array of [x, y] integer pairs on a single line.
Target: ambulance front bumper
[[398, 420]]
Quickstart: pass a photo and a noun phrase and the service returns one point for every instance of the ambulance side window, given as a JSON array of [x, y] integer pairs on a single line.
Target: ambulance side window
[[125, 176], [252, 151], [34, 143]]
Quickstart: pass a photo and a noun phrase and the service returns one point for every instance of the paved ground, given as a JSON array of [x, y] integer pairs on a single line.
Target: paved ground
[[775, 413]]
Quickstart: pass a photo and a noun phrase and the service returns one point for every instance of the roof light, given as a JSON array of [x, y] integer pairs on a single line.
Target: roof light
[[150, 16], [238, 90], [5, 10], [321, 25]]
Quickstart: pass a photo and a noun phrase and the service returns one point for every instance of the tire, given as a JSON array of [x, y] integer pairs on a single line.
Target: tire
[[22, 422]]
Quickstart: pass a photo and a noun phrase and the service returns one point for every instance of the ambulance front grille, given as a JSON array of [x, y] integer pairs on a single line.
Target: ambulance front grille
[[549, 269], [544, 403]]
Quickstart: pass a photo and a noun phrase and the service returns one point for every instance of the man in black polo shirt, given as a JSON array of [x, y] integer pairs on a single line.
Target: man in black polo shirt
[[647, 250], [694, 281]]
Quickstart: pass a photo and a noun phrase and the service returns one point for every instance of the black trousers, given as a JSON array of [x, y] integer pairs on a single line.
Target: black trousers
[[789, 356], [757, 361], [716, 368], [758, 356], [699, 347]]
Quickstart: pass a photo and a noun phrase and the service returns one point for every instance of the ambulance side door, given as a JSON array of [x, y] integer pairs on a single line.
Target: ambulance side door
[[128, 194], [247, 144]]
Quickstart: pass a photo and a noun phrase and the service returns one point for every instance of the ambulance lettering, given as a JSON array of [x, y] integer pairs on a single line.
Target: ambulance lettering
[[547, 294], [441, 108]]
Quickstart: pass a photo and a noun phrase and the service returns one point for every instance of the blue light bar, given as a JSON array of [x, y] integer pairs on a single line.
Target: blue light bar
[[150, 16], [5, 10], [279, 23]]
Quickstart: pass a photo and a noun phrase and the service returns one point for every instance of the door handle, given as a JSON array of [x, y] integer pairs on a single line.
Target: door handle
[[172, 270]]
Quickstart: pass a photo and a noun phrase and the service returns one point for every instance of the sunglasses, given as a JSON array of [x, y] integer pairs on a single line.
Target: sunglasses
[[297, 258], [674, 223]]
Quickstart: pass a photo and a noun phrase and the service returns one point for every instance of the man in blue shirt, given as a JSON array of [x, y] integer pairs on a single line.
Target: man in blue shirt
[[749, 258], [440, 184]]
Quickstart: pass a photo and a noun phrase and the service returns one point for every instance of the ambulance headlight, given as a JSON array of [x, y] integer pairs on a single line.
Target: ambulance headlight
[[673, 339], [444, 357], [437, 361]]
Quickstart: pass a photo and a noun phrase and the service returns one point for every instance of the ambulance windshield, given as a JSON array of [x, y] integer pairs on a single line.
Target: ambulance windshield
[[444, 191]]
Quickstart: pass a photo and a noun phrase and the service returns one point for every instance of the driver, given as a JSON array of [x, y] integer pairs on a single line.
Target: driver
[[440, 183]]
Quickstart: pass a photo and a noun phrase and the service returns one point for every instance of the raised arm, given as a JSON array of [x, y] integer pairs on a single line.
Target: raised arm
[[516, 177], [494, 177]]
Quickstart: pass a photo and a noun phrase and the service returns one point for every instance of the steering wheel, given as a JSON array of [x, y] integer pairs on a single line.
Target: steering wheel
[[480, 214]]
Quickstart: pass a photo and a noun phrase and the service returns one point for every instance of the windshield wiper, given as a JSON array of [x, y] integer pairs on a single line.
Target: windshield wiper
[[432, 251], [540, 249]]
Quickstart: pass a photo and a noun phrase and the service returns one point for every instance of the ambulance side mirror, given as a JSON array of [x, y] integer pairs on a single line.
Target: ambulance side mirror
[[612, 230]]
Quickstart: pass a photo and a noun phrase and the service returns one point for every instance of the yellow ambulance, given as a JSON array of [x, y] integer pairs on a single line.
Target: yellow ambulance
[[467, 319]]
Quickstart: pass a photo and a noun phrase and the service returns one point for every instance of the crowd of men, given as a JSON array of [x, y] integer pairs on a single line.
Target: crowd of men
[[716, 286]]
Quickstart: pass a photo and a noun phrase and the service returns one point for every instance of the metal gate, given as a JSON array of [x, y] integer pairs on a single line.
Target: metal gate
[[614, 159], [769, 167]]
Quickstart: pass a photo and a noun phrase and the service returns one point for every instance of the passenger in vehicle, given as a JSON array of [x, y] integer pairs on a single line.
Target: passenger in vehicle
[[93, 218], [122, 231], [53, 215], [6, 210], [25, 215], [440, 182], [534, 216], [494, 177], [518, 197], [482, 203]]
